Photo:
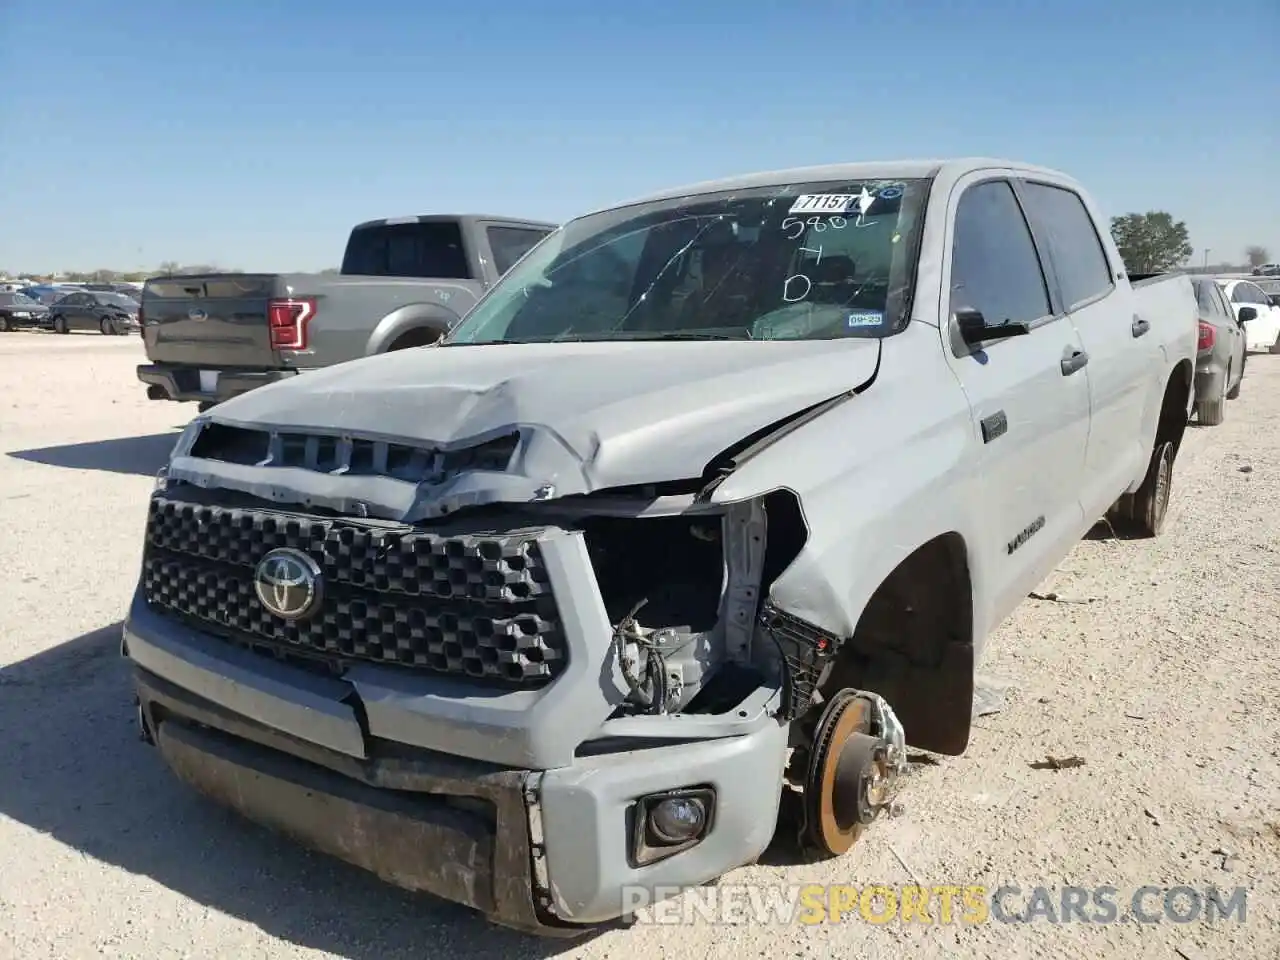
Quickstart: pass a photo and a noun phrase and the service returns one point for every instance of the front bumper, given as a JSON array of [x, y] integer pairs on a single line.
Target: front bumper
[[22, 319], [182, 383], [544, 851]]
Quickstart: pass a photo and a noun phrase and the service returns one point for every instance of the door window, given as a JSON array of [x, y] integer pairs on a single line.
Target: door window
[[994, 265], [509, 244], [1224, 307], [1062, 220], [1247, 293]]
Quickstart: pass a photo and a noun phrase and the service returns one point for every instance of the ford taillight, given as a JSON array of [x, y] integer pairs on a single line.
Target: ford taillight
[[288, 321], [1207, 336]]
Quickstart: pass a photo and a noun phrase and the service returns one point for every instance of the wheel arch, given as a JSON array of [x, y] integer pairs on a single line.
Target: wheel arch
[[414, 324], [914, 644]]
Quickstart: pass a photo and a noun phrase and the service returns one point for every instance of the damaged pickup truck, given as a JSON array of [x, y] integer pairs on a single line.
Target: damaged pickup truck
[[701, 515]]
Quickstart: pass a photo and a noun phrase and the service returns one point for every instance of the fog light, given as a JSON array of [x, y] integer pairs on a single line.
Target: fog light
[[665, 824], [678, 819]]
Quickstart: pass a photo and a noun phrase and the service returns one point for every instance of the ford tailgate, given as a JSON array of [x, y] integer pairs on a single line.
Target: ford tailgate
[[213, 320]]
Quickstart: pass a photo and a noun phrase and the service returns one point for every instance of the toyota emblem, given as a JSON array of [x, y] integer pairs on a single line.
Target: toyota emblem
[[288, 583]]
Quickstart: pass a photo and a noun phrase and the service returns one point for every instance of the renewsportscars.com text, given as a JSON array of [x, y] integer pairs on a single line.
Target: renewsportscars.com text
[[938, 904]]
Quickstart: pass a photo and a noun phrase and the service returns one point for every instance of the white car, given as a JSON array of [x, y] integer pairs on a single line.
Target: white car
[[1262, 332]]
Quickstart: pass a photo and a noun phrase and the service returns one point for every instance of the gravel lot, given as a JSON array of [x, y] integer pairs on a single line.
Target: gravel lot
[[1155, 665]]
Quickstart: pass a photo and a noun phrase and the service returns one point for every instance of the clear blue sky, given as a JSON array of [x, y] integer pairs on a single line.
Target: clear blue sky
[[254, 134]]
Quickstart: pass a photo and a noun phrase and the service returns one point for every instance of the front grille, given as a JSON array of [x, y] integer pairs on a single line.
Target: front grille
[[350, 456], [475, 605]]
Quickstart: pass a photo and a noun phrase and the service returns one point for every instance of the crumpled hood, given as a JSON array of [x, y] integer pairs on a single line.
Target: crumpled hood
[[595, 415]]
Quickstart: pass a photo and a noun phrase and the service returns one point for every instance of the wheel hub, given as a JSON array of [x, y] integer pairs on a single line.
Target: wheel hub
[[852, 770]]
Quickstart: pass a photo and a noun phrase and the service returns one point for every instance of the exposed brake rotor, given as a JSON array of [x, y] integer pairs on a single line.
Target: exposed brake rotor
[[857, 753]]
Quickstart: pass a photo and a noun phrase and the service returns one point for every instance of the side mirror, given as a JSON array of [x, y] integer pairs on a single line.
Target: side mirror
[[1248, 313], [975, 330]]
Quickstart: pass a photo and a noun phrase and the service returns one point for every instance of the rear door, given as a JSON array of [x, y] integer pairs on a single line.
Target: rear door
[[214, 322], [75, 311], [1123, 358], [1234, 329], [1031, 412]]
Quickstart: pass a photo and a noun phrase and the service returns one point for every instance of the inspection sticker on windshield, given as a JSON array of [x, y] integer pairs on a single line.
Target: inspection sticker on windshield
[[868, 318], [831, 203]]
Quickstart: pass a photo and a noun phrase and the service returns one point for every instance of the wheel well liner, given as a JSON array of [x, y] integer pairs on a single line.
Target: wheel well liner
[[913, 645], [1173, 408]]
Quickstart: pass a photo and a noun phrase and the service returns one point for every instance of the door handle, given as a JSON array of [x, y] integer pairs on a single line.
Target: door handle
[[1140, 326], [1073, 361]]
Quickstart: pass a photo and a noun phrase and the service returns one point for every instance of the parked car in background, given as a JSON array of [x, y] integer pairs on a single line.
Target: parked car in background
[[1220, 356], [1256, 310], [714, 499], [1267, 270], [108, 313], [404, 282], [46, 293], [17, 310], [125, 289], [1271, 287]]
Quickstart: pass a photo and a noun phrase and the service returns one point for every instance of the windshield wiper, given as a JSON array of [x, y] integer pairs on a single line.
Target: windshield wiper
[[681, 335]]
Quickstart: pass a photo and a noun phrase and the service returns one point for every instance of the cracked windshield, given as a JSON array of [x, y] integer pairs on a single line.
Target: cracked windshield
[[818, 261]]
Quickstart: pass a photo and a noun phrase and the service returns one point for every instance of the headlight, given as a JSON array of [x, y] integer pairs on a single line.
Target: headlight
[[187, 438]]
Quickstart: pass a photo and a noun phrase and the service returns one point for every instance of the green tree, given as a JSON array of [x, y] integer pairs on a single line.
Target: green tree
[[1257, 255], [1151, 242]]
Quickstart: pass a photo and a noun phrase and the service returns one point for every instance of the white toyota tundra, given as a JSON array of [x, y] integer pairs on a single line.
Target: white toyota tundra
[[692, 524]]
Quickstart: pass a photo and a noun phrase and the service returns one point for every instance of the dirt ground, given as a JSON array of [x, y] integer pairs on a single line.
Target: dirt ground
[[1155, 664]]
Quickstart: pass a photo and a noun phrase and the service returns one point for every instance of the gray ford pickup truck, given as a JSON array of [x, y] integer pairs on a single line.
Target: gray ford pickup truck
[[675, 542], [403, 283]]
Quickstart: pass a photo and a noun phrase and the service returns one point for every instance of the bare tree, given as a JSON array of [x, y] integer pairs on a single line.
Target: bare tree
[[1256, 255]]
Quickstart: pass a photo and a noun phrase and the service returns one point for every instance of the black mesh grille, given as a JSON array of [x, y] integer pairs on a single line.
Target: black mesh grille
[[471, 605]]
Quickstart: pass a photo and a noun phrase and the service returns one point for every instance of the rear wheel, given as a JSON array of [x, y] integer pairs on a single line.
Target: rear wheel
[[420, 337], [60, 324], [1143, 513], [1210, 413], [4, 324]]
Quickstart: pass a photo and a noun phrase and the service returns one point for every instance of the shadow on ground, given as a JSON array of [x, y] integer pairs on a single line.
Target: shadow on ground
[[82, 776], [138, 455]]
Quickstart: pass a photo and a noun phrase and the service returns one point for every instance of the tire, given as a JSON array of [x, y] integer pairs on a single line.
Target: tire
[[417, 337], [60, 324], [1210, 413], [1145, 512], [4, 324], [107, 327], [1234, 392]]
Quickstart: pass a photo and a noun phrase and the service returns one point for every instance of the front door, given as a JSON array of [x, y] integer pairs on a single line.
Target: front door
[[1029, 398]]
